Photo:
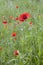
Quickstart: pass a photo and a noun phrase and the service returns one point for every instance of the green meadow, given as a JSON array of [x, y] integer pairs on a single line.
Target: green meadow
[[29, 37]]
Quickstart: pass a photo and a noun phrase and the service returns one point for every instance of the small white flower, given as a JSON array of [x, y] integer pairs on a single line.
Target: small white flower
[[21, 29], [30, 28]]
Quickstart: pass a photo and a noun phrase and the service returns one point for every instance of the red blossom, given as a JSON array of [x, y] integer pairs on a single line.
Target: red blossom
[[16, 6], [4, 22], [24, 16], [16, 52], [14, 34], [16, 18], [30, 23]]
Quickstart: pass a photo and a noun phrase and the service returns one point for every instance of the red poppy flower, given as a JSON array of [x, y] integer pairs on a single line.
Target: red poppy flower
[[16, 6], [24, 16], [14, 34], [16, 52], [4, 22], [30, 23], [16, 18]]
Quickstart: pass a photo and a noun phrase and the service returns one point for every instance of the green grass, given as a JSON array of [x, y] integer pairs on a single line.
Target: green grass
[[29, 41]]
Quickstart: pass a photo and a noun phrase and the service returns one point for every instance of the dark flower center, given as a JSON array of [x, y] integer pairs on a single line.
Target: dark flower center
[[24, 17]]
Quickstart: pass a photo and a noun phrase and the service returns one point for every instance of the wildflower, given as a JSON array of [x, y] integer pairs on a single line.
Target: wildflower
[[16, 18], [16, 6], [11, 17], [30, 23], [4, 22], [16, 52], [14, 34], [24, 16], [21, 29]]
